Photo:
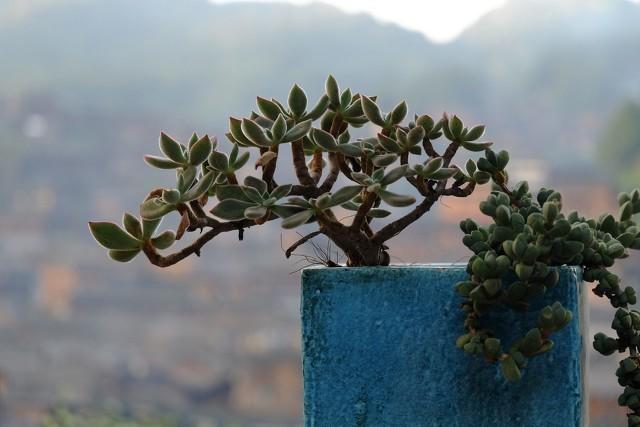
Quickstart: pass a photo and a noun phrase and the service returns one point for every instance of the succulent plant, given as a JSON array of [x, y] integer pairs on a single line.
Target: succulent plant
[[419, 151], [513, 263]]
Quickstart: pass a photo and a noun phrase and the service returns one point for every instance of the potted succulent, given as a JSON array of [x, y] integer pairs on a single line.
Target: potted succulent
[[378, 340]]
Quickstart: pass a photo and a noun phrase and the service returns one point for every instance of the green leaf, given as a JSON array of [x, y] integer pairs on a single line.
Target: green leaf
[[298, 131], [218, 161], [455, 126], [269, 109], [255, 212], [475, 133], [378, 213], [415, 136], [626, 211], [252, 194], [111, 236], [224, 192], [171, 196], [149, 226], [231, 209], [349, 150], [254, 133], [324, 139], [186, 178], [432, 165], [345, 194], [161, 162], [132, 225], [394, 174], [297, 100], [123, 256], [200, 150], [502, 159], [345, 99], [425, 122], [164, 240], [355, 109], [155, 208], [279, 129], [200, 188], [510, 369], [476, 146], [171, 148], [396, 200], [297, 219], [471, 167], [240, 161], [284, 211], [388, 144], [332, 90], [235, 127], [444, 173], [398, 113], [318, 110], [257, 183], [281, 191], [372, 111], [384, 160], [481, 177]]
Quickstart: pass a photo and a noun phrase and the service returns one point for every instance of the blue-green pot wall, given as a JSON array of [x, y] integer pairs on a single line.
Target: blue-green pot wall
[[379, 350]]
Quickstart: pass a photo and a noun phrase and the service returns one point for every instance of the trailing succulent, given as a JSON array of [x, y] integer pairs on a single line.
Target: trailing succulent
[[418, 153], [513, 263]]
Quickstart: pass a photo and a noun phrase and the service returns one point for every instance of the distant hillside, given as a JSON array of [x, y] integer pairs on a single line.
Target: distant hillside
[[538, 72]]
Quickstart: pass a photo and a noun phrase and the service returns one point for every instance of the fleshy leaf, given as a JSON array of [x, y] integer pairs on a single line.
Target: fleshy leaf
[[298, 131], [161, 162], [255, 212], [231, 209], [200, 188], [164, 240], [155, 208], [396, 200], [297, 100], [297, 219], [200, 151], [123, 256], [171, 148], [111, 236], [132, 225], [372, 111]]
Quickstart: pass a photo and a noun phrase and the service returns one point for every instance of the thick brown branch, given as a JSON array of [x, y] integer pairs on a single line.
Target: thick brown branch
[[449, 153], [460, 191], [317, 164], [344, 167], [365, 207], [305, 191], [428, 148], [394, 228], [300, 164], [194, 248], [332, 176], [269, 170]]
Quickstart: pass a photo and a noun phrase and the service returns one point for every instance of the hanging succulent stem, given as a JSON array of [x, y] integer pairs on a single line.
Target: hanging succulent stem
[[530, 236], [320, 133]]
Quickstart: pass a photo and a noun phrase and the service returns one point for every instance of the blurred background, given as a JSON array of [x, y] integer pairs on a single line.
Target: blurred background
[[85, 88]]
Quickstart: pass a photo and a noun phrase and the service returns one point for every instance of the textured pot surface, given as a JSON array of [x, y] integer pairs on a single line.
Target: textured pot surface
[[379, 350]]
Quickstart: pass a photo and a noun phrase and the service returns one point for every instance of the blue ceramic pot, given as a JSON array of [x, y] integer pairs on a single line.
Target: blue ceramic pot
[[379, 350]]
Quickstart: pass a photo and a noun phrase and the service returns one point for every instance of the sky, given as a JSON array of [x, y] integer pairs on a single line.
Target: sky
[[439, 20]]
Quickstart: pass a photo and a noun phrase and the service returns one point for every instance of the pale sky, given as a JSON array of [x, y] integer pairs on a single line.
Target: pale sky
[[439, 20]]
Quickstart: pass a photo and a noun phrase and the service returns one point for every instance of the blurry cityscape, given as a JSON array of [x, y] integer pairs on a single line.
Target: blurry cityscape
[[85, 88]]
